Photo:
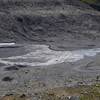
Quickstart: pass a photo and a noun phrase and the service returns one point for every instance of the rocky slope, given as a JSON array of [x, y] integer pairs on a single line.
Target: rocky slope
[[64, 25], [49, 21]]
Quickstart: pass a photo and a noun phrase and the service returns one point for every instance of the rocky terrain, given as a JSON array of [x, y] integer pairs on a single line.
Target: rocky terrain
[[69, 22], [49, 50]]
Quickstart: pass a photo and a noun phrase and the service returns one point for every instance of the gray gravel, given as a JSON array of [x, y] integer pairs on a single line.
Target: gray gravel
[[31, 79]]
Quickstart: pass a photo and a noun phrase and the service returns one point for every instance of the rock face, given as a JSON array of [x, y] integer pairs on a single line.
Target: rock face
[[49, 21]]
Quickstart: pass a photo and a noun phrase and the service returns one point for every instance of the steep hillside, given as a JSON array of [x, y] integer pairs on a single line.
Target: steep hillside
[[49, 21]]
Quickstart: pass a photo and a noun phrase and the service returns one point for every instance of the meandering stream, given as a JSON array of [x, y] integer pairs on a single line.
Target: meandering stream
[[42, 55]]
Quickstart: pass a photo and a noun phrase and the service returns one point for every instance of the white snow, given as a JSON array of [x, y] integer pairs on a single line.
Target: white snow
[[6, 44]]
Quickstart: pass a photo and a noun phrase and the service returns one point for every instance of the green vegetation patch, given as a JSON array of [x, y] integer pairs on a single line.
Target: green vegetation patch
[[83, 92], [90, 1], [63, 93]]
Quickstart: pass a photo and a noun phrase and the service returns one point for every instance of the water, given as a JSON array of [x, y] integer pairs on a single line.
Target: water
[[11, 49], [41, 55]]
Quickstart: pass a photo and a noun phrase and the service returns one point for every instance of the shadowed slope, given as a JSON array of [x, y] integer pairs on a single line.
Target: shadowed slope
[[48, 21]]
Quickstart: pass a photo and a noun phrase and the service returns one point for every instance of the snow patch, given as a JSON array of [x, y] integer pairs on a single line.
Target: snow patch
[[6, 44]]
